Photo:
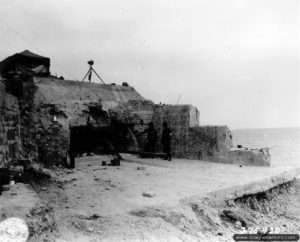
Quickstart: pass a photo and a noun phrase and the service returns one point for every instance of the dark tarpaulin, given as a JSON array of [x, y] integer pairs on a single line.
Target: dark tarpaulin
[[25, 63]]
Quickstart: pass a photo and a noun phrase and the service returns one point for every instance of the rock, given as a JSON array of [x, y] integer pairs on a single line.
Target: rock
[[149, 194], [232, 217], [238, 224], [230, 203], [90, 229], [79, 225], [229, 216], [182, 227], [220, 234], [96, 215], [291, 191], [76, 225]]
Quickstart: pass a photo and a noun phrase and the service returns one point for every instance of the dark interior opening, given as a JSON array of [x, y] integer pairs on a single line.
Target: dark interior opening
[[14, 86], [97, 140]]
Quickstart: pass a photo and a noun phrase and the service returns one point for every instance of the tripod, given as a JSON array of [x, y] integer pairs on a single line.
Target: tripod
[[90, 71]]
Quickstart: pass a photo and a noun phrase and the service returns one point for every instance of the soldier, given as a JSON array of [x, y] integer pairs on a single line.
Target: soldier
[[166, 140]]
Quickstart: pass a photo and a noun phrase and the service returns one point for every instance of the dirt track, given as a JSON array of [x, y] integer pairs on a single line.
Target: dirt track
[[97, 203]]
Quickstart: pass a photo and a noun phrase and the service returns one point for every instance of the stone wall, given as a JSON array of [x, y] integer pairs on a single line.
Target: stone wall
[[10, 143], [45, 133]]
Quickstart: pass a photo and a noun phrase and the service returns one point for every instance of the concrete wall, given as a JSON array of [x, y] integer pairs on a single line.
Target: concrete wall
[[207, 142], [189, 140], [138, 114], [51, 106], [247, 157], [9, 127], [179, 118]]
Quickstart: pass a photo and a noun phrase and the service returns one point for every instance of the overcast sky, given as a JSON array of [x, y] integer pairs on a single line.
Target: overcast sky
[[237, 61]]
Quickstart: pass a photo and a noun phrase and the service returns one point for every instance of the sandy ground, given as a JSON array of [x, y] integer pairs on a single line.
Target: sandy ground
[[113, 190], [18, 194], [106, 203]]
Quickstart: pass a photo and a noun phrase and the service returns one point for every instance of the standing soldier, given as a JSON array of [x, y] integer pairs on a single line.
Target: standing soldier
[[166, 140]]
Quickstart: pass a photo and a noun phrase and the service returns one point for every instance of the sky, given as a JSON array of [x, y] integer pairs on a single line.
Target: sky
[[237, 61]]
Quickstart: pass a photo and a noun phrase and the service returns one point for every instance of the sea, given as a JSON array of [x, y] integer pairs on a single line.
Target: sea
[[284, 143]]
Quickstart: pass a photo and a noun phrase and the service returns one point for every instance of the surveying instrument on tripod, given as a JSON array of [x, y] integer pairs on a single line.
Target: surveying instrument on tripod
[[90, 72]]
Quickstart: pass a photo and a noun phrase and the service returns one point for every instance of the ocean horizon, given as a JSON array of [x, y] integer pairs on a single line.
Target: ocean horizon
[[284, 143]]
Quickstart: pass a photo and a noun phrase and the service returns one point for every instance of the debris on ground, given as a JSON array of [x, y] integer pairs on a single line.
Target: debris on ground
[[149, 194], [108, 206]]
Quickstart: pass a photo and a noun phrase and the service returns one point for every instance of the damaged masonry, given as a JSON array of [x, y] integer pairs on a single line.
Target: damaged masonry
[[45, 118]]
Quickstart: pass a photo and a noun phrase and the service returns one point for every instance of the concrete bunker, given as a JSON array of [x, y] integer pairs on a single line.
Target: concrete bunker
[[57, 117]]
